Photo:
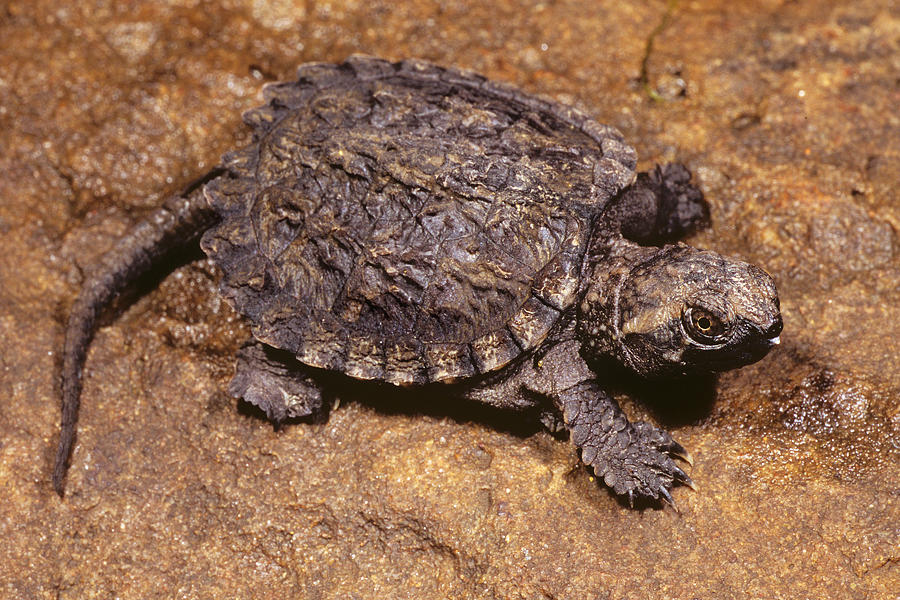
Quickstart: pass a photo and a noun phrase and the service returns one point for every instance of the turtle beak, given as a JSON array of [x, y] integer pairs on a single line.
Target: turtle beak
[[758, 344], [772, 334]]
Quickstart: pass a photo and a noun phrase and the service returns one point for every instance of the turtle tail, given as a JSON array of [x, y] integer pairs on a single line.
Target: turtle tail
[[180, 221]]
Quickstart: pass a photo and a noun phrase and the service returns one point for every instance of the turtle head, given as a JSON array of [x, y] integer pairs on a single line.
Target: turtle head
[[680, 310]]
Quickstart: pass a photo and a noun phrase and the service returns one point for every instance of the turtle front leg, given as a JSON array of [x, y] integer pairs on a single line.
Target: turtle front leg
[[276, 383], [633, 459], [661, 206]]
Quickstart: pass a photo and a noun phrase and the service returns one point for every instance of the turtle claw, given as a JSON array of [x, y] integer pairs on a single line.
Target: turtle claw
[[682, 477], [665, 495], [664, 442], [679, 451]]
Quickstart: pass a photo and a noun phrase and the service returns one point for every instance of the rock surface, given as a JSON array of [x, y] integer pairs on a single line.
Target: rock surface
[[787, 114]]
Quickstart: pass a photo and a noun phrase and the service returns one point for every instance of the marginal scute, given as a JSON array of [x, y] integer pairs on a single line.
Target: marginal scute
[[243, 161], [245, 272], [421, 69], [557, 283], [367, 68], [462, 77], [611, 176], [323, 347], [448, 362], [365, 358], [228, 195], [284, 93], [503, 90], [494, 350], [532, 323], [317, 74], [601, 131], [260, 119], [572, 115], [403, 363], [619, 151]]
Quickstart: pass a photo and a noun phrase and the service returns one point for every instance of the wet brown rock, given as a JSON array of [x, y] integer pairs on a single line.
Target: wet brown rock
[[787, 117]]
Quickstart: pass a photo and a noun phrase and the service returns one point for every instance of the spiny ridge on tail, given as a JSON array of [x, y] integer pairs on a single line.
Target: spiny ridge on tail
[[180, 221]]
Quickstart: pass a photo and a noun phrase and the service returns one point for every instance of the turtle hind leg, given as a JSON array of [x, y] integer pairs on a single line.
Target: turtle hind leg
[[662, 206], [276, 383]]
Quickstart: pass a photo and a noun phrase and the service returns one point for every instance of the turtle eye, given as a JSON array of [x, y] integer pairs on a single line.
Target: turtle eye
[[703, 326]]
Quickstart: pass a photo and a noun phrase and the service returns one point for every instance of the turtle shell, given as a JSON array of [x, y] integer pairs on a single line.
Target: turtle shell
[[409, 223]]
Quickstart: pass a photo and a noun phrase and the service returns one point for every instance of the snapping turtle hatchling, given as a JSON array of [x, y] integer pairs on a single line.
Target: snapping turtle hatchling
[[418, 225]]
